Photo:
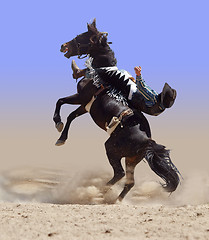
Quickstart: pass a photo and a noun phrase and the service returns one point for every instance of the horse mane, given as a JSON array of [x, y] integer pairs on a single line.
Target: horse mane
[[100, 51], [103, 55]]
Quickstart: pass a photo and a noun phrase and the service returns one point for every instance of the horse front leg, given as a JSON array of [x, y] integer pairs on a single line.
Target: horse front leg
[[74, 99], [78, 112]]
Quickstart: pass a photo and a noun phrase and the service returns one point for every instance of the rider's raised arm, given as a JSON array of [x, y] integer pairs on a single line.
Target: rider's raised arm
[[150, 95]]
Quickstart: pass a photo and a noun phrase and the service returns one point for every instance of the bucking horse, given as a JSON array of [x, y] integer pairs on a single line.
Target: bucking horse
[[129, 130]]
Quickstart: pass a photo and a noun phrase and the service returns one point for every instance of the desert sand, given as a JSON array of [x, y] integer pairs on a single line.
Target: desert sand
[[123, 221]]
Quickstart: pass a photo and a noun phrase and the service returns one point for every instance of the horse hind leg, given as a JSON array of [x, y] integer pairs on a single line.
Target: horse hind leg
[[117, 169], [131, 163], [115, 162]]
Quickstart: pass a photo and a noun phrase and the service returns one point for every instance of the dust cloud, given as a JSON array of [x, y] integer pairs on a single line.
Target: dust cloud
[[77, 172], [52, 186]]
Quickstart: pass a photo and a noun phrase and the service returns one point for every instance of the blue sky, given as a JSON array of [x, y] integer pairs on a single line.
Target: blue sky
[[169, 39]]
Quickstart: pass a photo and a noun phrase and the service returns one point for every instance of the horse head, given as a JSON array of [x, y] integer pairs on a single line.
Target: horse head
[[85, 43]]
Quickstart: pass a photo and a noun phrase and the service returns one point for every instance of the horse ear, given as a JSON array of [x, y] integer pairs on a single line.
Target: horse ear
[[92, 25]]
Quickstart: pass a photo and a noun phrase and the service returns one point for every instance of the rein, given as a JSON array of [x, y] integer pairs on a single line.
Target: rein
[[79, 45]]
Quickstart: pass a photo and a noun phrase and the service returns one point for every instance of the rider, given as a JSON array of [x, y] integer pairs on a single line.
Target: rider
[[137, 92]]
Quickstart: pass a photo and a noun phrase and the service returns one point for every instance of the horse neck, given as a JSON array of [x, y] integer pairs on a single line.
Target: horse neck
[[104, 58]]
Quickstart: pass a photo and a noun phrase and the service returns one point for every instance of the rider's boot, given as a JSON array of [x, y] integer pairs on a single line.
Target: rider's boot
[[77, 72]]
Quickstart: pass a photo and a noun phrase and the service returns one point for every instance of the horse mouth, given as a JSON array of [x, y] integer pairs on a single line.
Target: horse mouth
[[67, 52]]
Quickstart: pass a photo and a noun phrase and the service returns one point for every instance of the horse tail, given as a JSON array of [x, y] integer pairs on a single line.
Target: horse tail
[[158, 158]]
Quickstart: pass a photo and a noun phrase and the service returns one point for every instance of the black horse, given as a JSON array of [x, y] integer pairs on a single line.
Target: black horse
[[130, 135]]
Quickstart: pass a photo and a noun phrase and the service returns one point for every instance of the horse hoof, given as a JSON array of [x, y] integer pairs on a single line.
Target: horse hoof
[[60, 142], [59, 126]]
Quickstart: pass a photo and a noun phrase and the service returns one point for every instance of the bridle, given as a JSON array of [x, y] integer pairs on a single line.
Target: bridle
[[88, 45], [79, 46]]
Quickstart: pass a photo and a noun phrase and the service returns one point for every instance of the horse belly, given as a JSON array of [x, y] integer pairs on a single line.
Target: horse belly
[[98, 115]]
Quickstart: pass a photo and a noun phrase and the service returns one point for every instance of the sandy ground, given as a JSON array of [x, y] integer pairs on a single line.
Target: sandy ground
[[45, 221], [44, 204]]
